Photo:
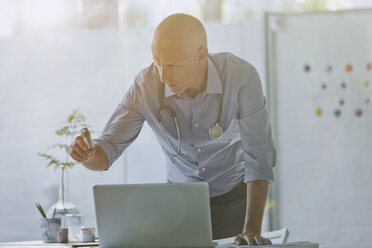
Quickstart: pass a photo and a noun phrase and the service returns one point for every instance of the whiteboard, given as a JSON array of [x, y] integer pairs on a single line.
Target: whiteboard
[[320, 88]]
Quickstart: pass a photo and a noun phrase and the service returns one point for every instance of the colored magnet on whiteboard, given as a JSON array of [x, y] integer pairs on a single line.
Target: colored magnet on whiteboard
[[369, 66], [337, 112], [367, 101], [318, 111], [329, 69], [358, 112], [366, 84], [324, 86], [348, 68], [341, 102], [307, 68], [343, 85]]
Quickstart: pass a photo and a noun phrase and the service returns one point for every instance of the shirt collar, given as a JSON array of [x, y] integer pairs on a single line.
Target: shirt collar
[[214, 85]]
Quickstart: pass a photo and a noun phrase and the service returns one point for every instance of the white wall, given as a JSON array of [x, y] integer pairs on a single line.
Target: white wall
[[42, 79]]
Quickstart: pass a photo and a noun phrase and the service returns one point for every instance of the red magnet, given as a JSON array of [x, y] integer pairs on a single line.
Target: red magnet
[[369, 66], [358, 112], [348, 68], [329, 69], [342, 102]]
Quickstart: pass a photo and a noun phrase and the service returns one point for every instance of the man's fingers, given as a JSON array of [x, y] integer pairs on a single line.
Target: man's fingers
[[77, 148], [76, 156], [80, 140], [249, 239], [258, 239], [266, 241], [239, 240]]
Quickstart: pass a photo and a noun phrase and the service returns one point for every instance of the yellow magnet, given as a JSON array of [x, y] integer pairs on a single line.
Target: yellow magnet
[[318, 111], [365, 84]]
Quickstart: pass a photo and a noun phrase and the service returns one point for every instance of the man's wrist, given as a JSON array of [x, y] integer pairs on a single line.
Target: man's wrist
[[251, 229]]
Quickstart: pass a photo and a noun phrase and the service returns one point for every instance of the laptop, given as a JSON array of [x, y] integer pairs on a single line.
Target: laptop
[[153, 215]]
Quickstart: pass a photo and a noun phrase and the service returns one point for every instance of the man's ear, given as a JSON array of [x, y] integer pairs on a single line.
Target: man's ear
[[202, 55]]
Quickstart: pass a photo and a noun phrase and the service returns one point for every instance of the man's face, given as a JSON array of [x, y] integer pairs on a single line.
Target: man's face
[[177, 68]]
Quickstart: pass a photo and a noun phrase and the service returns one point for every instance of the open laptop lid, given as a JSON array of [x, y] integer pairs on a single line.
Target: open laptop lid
[[153, 215]]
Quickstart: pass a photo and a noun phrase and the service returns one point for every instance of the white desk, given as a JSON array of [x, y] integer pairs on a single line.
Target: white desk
[[41, 244]]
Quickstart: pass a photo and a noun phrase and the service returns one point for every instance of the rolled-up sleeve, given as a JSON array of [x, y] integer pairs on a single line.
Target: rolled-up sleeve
[[122, 128], [255, 129]]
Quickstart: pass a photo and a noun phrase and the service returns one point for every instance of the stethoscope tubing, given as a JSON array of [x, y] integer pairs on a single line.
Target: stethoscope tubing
[[215, 132]]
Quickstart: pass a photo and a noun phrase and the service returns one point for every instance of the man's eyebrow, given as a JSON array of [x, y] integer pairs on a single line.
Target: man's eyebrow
[[157, 62]]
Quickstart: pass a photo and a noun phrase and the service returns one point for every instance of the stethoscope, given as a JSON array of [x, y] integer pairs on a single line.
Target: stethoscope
[[215, 132]]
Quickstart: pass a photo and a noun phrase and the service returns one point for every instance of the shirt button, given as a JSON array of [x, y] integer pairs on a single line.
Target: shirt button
[[199, 149], [196, 124], [203, 169]]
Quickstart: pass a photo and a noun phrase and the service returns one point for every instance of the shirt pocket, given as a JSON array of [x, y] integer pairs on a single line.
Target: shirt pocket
[[231, 132]]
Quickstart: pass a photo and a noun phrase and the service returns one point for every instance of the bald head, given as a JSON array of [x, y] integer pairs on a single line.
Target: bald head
[[180, 31], [179, 50]]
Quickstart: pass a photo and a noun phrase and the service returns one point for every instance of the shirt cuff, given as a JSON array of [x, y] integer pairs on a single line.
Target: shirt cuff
[[109, 150], [258, 172]]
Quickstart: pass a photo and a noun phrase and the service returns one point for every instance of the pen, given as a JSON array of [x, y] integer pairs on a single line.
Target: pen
[[87, 138]]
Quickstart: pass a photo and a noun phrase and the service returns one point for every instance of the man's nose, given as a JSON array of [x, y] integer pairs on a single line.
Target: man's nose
[[164, 74]]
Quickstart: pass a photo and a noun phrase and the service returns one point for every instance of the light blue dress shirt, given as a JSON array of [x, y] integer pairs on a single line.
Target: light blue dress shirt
[[245, 152]]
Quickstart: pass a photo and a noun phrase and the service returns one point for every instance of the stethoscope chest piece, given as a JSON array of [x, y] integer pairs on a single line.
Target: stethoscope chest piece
[[215, 132]]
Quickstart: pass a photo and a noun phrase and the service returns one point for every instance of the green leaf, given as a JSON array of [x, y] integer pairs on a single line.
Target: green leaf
[[41, 210]]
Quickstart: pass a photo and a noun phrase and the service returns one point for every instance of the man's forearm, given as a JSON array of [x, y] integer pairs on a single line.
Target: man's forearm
[[257, 192], [98, 161]]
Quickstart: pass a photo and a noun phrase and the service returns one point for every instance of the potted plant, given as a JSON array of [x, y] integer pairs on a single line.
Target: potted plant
[[63, 209]]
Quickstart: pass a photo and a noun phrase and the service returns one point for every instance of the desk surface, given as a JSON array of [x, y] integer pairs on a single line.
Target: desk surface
[[41, 244]]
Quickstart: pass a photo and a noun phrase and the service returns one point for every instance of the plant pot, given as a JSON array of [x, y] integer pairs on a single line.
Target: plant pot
[[49, 229]]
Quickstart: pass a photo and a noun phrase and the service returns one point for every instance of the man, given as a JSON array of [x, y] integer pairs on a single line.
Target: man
[[187, 96]]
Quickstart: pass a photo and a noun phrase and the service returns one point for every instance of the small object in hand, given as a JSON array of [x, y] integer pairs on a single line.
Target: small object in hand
[[88, 234], [62, 235], [87, 138]]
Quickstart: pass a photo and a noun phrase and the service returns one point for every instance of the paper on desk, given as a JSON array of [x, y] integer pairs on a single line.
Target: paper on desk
[[303, 244]]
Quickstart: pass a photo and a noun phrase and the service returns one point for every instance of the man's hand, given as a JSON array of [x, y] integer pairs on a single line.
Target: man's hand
[[79, 150], [249, 238]]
